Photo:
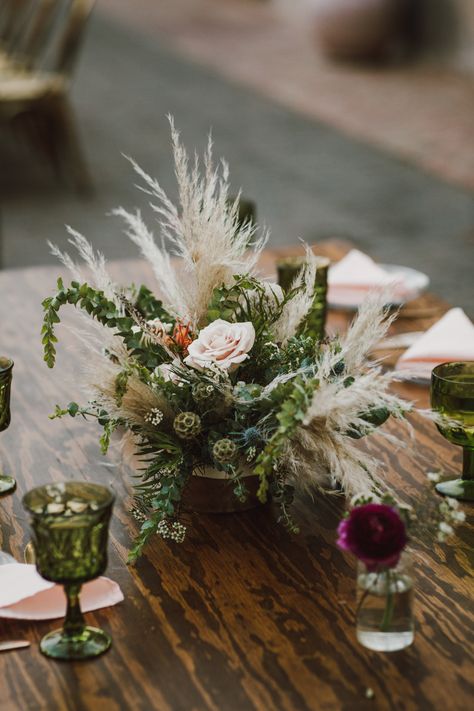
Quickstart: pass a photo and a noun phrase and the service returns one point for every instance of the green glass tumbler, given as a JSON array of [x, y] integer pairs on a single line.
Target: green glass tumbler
[[7, 483], [288, 269], [452, 396], [70, 523]]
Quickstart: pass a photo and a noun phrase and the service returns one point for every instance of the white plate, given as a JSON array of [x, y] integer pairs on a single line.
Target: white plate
[[415, 281]]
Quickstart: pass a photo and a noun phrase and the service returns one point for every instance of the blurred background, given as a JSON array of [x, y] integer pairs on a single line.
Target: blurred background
[[340, 118]]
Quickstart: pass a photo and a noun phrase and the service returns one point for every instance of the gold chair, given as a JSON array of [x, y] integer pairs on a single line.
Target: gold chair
[[39, 43]]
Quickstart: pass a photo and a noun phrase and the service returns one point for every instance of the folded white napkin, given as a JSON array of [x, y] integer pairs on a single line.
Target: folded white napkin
[[450, 339], [25, 595], [356, 274]]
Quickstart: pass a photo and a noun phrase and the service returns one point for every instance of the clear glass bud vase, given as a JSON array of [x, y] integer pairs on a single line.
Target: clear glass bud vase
[[385, 621]]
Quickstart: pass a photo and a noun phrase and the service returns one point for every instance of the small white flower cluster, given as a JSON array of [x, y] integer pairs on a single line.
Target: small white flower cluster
[[433, 476], [154, 417], [138, 515], [273, 355], [449, 510], [251, 452], [174, 531], [217, 373]]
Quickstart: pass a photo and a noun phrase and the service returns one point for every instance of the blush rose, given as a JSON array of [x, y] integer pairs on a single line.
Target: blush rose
[[226, 344]]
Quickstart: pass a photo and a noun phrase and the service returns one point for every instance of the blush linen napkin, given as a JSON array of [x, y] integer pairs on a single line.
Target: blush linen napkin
[[450, 339], [25, 595], [356, 274]]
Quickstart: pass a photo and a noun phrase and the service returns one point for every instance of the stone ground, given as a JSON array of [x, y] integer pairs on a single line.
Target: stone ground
[[311, 175]]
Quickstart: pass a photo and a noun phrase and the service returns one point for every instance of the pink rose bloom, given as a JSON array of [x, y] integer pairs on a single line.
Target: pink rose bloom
[[226, 344]]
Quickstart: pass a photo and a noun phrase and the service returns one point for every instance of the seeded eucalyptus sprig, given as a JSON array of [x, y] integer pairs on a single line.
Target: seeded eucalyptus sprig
[[91, 300], [108, 423], [96, 304], [289, 417]]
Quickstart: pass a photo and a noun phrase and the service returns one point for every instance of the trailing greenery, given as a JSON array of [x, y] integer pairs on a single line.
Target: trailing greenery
[[289, 416], [95, 303]]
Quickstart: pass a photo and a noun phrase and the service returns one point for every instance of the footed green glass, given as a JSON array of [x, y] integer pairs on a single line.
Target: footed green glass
[[452, 396], [7, 483], [70, 523]]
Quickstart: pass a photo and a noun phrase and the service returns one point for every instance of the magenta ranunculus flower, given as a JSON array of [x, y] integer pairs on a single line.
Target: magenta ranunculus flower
[[374, 533]]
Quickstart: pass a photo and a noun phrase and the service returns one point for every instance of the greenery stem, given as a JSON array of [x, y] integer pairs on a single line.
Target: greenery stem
[[74, 622], [389, 602]]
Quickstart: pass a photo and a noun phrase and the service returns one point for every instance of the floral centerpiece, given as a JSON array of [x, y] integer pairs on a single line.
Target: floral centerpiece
[[220, 372]]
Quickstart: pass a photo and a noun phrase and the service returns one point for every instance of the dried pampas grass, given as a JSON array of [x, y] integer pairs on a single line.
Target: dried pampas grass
[[205, 232], [322, 454]]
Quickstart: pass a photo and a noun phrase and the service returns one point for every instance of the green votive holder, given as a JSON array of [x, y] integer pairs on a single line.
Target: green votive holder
[[288, 269], [69, 524], [7, 483]]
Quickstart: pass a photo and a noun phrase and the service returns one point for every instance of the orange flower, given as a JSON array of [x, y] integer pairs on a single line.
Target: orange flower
[[181, 335]]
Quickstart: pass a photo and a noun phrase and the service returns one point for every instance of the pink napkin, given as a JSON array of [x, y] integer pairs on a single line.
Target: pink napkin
[[351, 279], [450, 339], [25, 595]]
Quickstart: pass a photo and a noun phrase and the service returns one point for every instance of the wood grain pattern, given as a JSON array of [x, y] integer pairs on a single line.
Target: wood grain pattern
[[242, 616]]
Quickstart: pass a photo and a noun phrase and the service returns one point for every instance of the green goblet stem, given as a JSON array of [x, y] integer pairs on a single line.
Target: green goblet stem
[[468, 463], [74, 623], [462, 488]]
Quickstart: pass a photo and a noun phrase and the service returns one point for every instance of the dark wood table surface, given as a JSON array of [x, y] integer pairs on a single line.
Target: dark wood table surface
[[242, 615]]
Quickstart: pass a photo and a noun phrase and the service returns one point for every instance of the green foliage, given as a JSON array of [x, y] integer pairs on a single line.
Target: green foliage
[[284, 494], [159, 493], [108, 423], [233, 303], [95, 303], [121, 382], [164, 505], [290, 416], [374, 418], [90, 300], [150, 307], [300, 352]]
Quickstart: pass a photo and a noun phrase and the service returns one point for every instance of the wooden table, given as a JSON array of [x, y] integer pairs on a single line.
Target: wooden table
[[242, 615]]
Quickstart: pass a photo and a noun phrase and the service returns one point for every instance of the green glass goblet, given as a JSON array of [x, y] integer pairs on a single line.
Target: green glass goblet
[[7, 483], [70, 524], [452, 396]]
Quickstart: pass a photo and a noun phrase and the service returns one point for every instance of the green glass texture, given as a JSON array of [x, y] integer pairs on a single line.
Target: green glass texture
[[7, 483], [69, 523], [452, 396], [288, 269]]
